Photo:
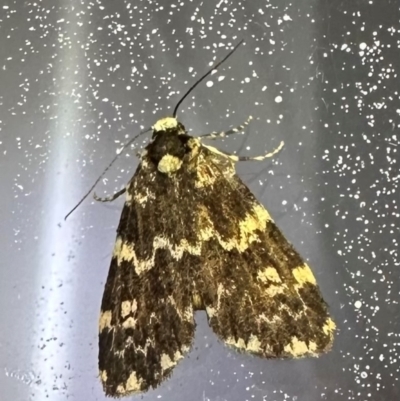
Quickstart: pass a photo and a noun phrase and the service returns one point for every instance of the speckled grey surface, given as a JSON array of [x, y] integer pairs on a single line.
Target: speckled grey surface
[[78, 78]]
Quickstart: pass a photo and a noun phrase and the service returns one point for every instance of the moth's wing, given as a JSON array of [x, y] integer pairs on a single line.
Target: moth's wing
[[259, 294], [146, 322]]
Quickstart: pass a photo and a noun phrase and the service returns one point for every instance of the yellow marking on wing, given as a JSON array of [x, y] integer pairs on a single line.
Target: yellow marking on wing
[[303, 275], [254, 221], [197, 301], [142, 196], [269, 274], [329, 326], [298, 348], [126, 308], [167, 362], [105, 320], [205, 176], [132, 385], [273, 290], [103, 375], [253, 345], [210, 311], [129, 323]]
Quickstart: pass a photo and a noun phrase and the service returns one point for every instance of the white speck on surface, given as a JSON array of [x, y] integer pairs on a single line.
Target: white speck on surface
[[209, 84], [278, 99], [358, 304]]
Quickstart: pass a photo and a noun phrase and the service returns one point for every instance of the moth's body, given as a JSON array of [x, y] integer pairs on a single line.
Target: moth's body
[[192, 236]]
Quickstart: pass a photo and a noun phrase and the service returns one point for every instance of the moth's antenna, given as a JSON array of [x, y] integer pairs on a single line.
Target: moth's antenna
[[106, 169], [214, 67]]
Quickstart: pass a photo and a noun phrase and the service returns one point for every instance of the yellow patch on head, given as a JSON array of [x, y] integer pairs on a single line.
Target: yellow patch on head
[[165, 123], [169, 164], [303, 275]]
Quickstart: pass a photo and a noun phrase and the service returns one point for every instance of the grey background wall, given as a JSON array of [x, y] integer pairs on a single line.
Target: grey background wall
[[79, 78]]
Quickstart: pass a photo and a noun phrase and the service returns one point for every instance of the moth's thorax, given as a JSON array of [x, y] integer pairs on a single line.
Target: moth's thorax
[[170, 145]]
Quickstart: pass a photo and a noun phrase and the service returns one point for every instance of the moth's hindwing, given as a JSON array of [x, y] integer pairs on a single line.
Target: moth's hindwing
[[194, 237]]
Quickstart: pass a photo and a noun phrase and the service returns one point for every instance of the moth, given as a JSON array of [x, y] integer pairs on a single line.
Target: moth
[[193, 237]]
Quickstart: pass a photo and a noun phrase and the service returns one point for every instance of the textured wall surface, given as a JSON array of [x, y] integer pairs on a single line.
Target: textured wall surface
[[79, 78]]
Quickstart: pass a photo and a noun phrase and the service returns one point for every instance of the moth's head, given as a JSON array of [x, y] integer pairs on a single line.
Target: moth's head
[[168, 125], [170, 145]]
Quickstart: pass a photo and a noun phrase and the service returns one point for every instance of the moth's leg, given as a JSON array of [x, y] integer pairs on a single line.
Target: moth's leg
[[258, 158], [223, 134], [236, 158], [110, 198]]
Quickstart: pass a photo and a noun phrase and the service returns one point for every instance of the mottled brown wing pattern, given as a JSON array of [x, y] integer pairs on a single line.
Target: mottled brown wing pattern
[[146, 322], [259, 294], [194, 237]]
